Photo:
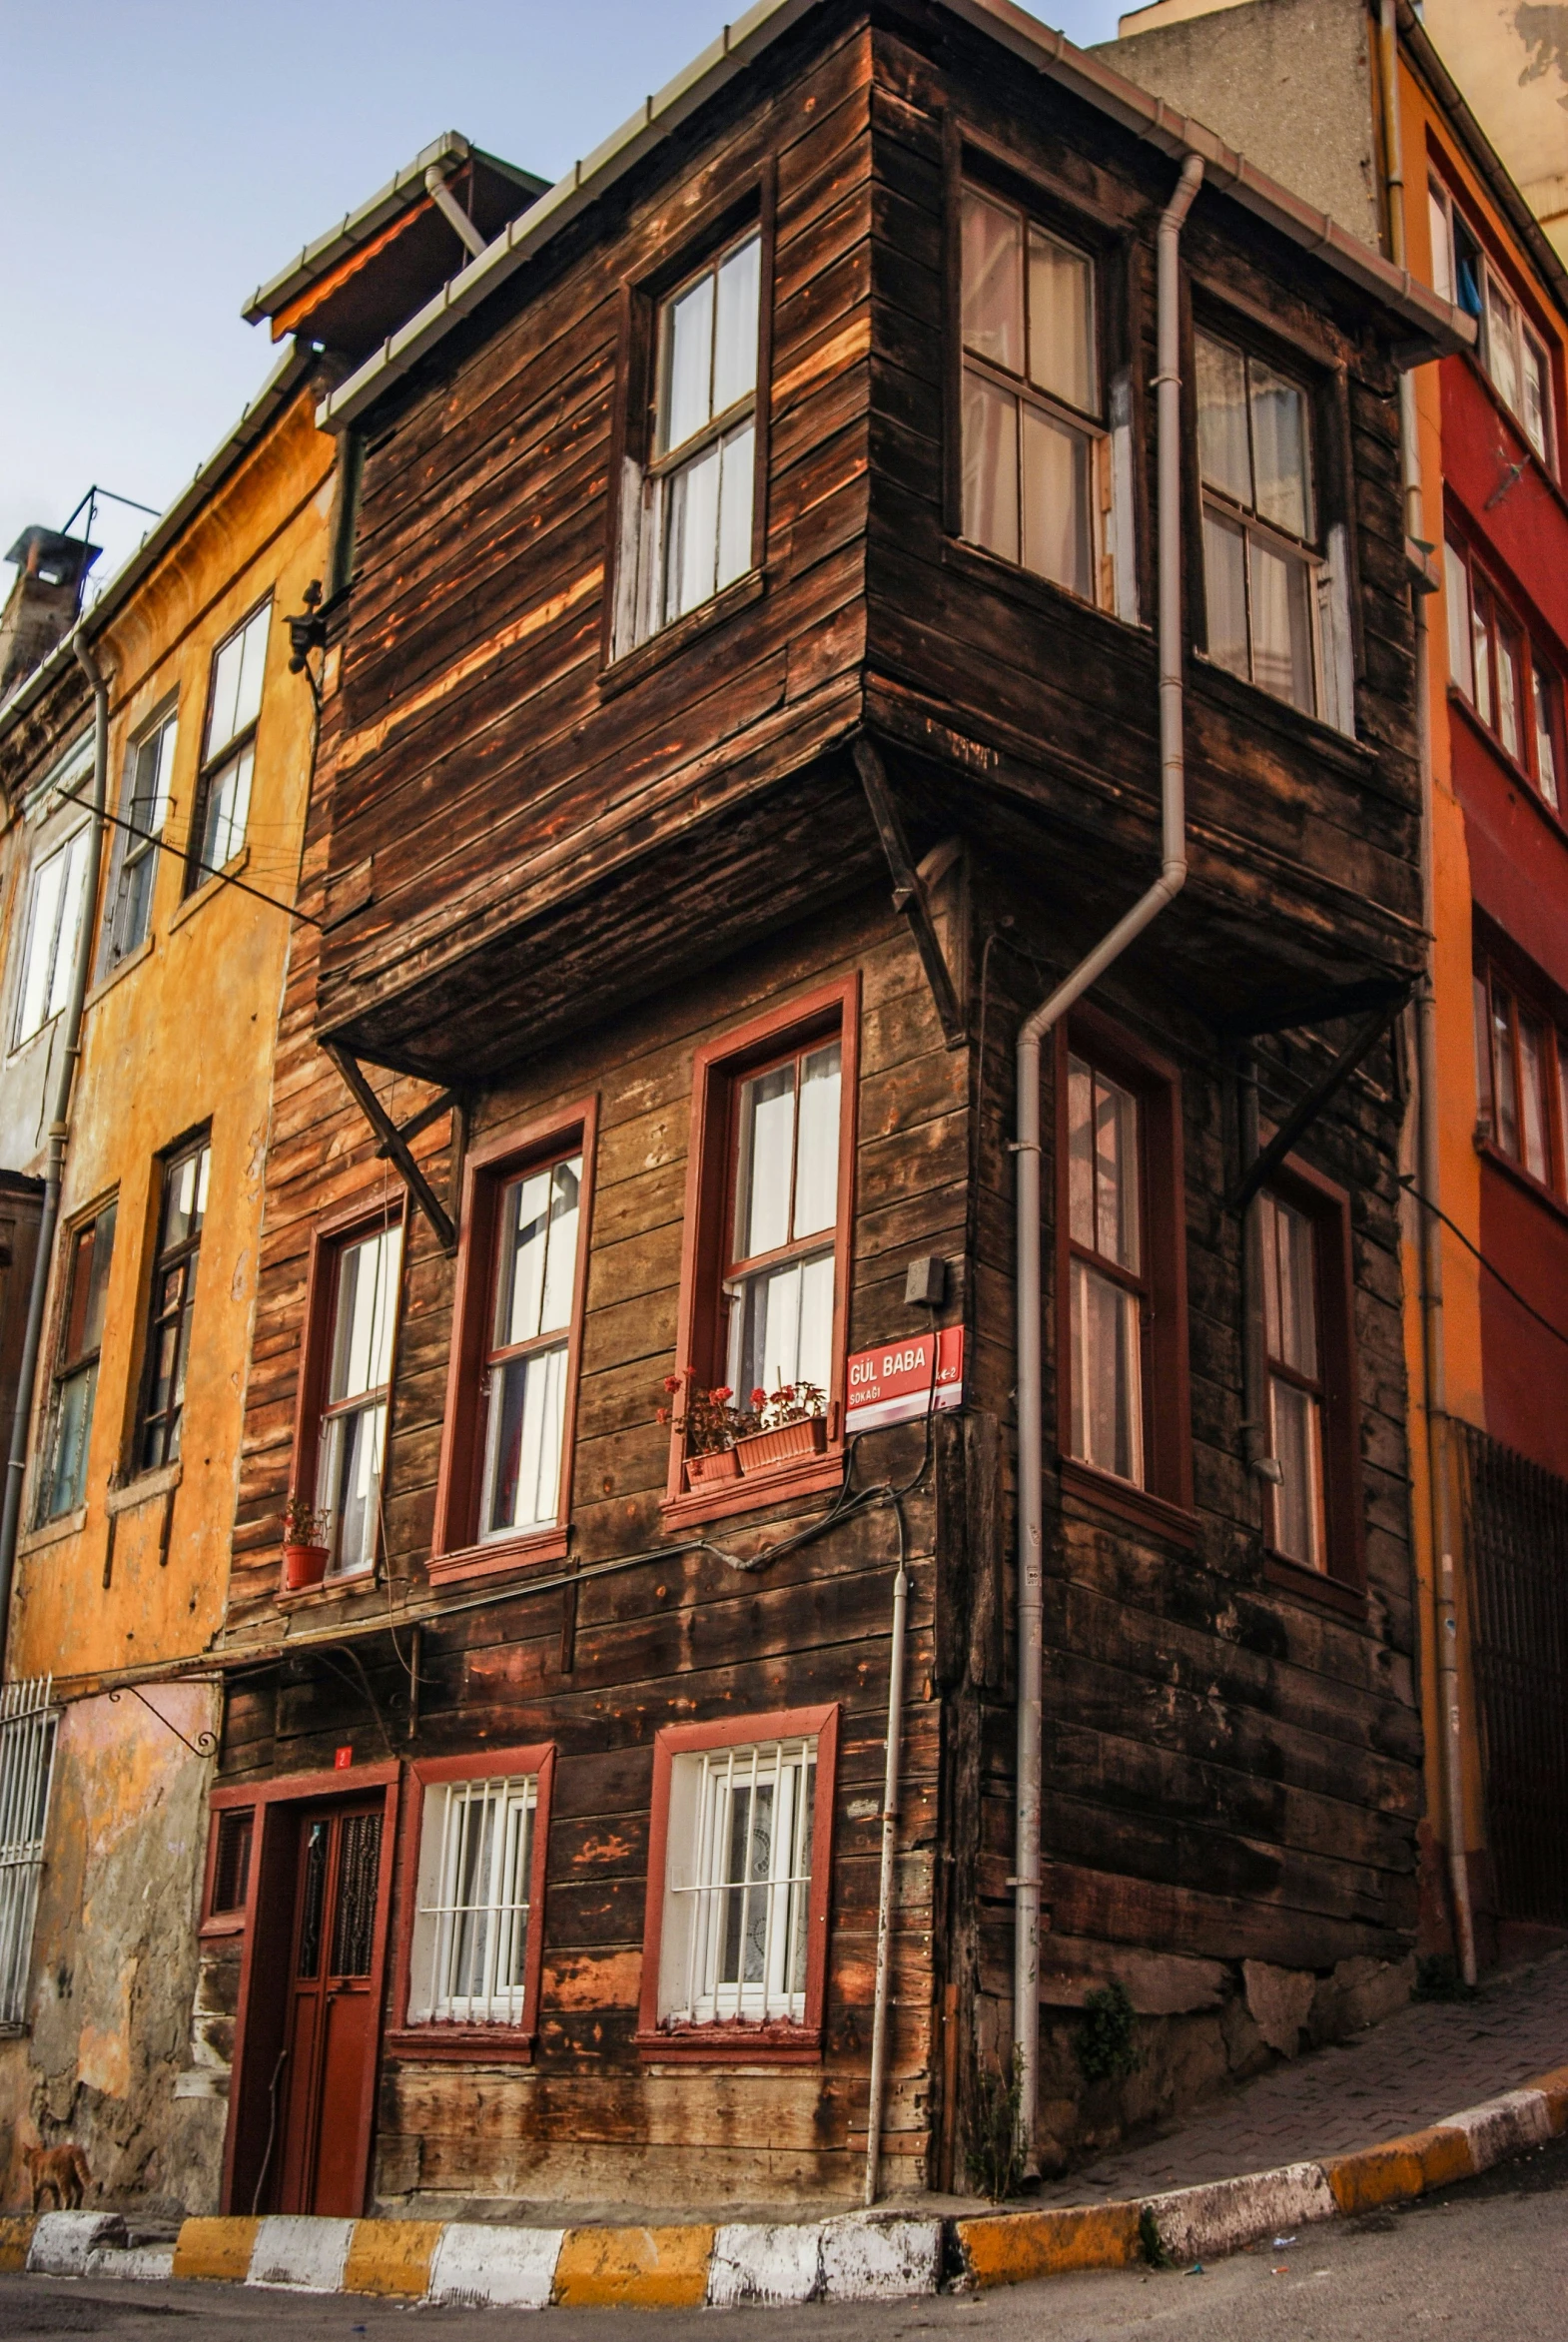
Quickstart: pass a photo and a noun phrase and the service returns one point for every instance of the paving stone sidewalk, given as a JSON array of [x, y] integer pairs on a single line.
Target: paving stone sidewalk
[[1428, 2061]]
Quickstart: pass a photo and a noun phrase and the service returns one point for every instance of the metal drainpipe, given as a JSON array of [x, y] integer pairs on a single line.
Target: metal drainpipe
[[1173, 876], [452, 212], [890, 1799], [59, 1131], [1434, 1364]]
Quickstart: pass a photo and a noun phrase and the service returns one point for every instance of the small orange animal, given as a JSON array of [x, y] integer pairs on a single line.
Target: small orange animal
[[58, 2171]]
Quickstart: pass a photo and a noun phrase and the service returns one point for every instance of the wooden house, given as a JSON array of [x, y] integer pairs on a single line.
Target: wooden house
[[740, 709]]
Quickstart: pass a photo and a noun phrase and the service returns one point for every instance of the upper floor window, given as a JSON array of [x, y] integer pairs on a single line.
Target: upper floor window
[[144, 803], [1512, 687], [55, 910], [89, 1250], [1037, 465], [353, 1430], [1511, 352], [1261, 526], [1312, 1502], [181, 1214], [699, 490], [778, 1284], [222, 792], [1521, 1078]]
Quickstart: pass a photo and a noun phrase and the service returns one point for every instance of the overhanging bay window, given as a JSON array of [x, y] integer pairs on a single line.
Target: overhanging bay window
[[1039, 483], [1262, 560]]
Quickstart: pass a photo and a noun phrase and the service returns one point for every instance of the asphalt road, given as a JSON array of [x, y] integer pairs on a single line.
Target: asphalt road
[[1483, 2262]]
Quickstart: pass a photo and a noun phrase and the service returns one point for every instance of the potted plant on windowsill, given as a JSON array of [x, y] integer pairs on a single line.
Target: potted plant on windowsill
[[791, 1421], [710, 1424], [305, 1547]]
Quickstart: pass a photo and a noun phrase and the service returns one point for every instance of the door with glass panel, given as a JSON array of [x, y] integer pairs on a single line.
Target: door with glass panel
[[779, 1278], [354, 1421], [324, 2084]]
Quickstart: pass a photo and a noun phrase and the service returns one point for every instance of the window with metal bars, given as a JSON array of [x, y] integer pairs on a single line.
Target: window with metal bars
[[468, 1960], [735, 1938], [231, 1862], [28, 1725]]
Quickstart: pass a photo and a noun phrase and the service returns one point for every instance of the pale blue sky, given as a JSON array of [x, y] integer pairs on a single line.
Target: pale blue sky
[[164, 157]]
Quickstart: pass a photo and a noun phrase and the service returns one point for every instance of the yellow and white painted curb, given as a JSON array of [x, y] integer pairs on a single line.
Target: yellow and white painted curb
[[865, 2256]]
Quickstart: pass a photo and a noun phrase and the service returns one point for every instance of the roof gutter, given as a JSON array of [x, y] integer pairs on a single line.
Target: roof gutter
[[1439, 327]]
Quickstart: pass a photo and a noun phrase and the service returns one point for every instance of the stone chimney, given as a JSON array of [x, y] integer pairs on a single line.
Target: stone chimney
[[42, 605]]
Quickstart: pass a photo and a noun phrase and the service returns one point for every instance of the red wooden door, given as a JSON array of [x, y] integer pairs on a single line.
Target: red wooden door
[[331, 2032]]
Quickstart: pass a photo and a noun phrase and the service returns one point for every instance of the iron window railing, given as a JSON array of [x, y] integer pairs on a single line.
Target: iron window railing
[[28, 1723]]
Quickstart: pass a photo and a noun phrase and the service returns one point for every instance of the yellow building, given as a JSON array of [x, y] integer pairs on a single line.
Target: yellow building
[[172, 904]]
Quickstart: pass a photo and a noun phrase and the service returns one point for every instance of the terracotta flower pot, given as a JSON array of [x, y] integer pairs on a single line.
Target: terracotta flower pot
[[766, 1449], [720, 1465], [304, 1565]]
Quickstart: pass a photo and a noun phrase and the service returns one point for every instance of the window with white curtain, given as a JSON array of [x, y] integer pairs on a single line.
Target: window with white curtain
[[735, 1937], [1107, 1270], [535, 1278], [1295, 1380], [354, 1421], [468, 1960], [1262, 567], [780, 1276]]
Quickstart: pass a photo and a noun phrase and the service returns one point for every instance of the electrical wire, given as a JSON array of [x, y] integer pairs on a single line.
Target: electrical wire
[[1408, 1181]]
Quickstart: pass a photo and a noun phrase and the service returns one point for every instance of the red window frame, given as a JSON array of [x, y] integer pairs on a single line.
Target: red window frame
[[1164, 1502], [718, 1069], [1495, 635], [438, 2038], [1491, 983], [457, 1552], [329, 1239], [774, 2041], [1342, 1579], [221, 1805]]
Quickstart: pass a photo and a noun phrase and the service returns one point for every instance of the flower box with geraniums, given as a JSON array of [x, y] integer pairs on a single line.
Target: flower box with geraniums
[[710, 1424], [792, 1422], [306, 1546]]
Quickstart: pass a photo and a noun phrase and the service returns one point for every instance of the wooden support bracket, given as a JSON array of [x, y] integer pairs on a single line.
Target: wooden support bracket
[[394, 1141], [909, 896], [1360, 1045]]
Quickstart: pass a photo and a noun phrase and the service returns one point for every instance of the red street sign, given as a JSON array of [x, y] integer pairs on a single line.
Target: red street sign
[[892, 1384], [343, 1759]]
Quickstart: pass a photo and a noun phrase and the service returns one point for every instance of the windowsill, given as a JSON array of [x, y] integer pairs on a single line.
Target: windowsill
[[721, 1499], [496, 1559], [460, 2044], [159, 1482], [350, 1581], [1251, 700], [1513, 770], [210, 885], [1105, 1493], [1535, 1189], [1313, 1585], [732, 2045], [220, 1924], [673, 639], [29, 1040], [1034, 592], [121, 968], [70, 1524]]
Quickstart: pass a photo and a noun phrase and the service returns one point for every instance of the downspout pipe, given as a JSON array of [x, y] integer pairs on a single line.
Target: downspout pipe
[[1439, 1463], [1031, 1041], [59, 1131], [452, 212], [885, 1885]]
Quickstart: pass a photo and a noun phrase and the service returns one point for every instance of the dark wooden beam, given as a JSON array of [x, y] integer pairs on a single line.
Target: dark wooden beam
[[1361, 1043], [395, 1144], [909, 896]]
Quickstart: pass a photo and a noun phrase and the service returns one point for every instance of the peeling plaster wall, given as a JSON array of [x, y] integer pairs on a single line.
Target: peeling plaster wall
[[1510, 58], [111, 2059]]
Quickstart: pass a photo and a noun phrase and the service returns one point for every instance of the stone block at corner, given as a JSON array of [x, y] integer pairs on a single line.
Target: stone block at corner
[[479, 2267], [762, 2265], [62, 2241], [864, 2258], [302, 2250]]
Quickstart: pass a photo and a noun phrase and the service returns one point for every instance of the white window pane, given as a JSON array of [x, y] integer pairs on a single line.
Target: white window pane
[[1221, 418], [526, 1232], [1508, 687], [222, 723], [366, 1303], [560, 1258], [737, 479], [1224, 593], [1282, 626], [691, 533], [738, 1883], [1503, 342], [349, 1484], [1081, 1153], [1545, 737], [1532, 1096], [1107, 1379], [817, 1145], [735, 334], [767, 1140], [781, 1324], [688, 364], [252, 662], [523, 1447], [1442, 254], [1116, 1231], [1290, 1286], [1533, 413], [228, 809], [1282, 452], [1058, 524], [43, 920], [1062, 353], [1456, 594], [71, 905], [814, 1358], [1481, 647], [1297, 1501], [990, 466], [993, 268]]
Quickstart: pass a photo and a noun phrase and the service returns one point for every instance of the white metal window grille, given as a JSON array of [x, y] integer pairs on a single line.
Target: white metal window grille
[[471, 1937], [27, 1744], [738, 1891]]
